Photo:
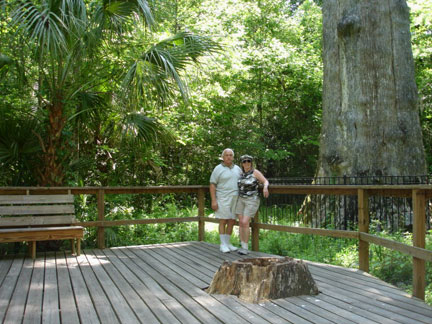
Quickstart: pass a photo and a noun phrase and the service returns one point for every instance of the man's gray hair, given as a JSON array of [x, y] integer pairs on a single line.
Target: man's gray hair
[[227, 149]]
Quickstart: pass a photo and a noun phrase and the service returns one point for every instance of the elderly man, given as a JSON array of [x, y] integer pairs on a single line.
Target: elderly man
[[224, 194]]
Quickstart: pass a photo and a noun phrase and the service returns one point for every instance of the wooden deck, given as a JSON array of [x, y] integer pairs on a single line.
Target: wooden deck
[[164, 284]]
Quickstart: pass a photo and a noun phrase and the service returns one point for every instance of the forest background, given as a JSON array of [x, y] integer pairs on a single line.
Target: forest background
[[258, 92]]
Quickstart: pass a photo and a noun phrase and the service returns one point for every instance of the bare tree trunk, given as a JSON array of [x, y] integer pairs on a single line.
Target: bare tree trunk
[[52, 173], [370, 121]]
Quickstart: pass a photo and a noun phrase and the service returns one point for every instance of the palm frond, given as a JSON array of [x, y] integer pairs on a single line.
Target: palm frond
[[88, 105], [144, 130], [113, 14], [5, 63], [158, 69], [43, 26]]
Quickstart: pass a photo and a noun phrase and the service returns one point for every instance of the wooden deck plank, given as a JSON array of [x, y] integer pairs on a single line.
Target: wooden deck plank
[[260, 310], [191, 305], [68, 309], [33, 310], [15, 311], [185, 283], [199, 279], [364, 279], [140, 281], [196, 273], [286, 313], [354, 308], [172, 273], [236, 303], [182, 268], [125, 313], [182, 316], [248, 312], [128, 259], [164, 283], [50, 305], [393, 301], [327, 315], [5, 265], [137, 305], [214, 254], [232, 303], [346, 314], [373, 310], [189, 253], [8, 286], [86, 310], [368, 303], [293, 315], [284, 303], [192, 260], [101, 302]]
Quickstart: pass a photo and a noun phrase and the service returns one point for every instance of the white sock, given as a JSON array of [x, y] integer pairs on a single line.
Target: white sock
[[244, 245], [227, 238], [222, 239]]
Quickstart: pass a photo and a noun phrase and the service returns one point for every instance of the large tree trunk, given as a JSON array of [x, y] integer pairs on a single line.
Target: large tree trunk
[[370, 117]]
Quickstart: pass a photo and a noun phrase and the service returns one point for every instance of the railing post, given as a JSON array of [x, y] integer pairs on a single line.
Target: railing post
[[201, 222], [419, 240], [363, 227], [255, 232], [101, 217]]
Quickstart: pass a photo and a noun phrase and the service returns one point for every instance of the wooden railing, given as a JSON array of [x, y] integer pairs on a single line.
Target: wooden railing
[[419, 194]]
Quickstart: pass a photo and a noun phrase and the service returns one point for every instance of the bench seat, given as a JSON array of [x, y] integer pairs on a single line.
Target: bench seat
[[32, 218]]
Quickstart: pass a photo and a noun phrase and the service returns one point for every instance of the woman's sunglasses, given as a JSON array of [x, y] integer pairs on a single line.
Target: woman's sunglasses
[[246, 161]]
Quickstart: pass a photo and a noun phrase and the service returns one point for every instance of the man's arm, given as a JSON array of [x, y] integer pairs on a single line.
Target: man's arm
[[214, 204]]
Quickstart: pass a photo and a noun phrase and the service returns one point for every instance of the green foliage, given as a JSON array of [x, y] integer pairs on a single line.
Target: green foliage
[[309, 247], [93, 70], [19, 148], [123, 70], [421, 31]]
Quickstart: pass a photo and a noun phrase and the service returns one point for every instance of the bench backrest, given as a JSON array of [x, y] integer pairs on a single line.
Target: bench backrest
[[36, 210]]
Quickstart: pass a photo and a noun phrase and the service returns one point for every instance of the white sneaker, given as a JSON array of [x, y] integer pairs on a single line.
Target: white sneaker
[[243, 251], [226, 240], [232, 247], [224, 248]]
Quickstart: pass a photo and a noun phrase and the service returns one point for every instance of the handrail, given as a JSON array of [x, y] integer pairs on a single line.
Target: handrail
[[418, 193]]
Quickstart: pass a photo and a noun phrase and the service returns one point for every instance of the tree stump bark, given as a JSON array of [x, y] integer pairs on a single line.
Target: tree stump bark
[[258, 279]]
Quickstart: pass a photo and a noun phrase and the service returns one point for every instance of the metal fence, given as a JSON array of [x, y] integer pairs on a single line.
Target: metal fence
[[340, 212]]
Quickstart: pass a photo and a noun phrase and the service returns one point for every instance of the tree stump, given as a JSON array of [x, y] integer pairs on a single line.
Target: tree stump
[[258, 279]]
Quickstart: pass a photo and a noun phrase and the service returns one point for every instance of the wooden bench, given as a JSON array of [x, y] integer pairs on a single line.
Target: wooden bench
[[32, 218]]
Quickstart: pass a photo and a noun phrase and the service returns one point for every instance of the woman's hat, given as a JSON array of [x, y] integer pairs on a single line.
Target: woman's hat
[[246, 157]]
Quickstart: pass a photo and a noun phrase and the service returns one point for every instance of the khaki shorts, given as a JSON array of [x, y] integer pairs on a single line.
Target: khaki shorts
[[226, 207], [247, 206]]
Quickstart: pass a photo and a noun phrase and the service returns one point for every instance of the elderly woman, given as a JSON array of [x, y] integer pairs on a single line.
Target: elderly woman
[[248, 201]]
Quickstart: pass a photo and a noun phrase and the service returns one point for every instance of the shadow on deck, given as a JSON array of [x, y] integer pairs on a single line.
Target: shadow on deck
[[164, 284]]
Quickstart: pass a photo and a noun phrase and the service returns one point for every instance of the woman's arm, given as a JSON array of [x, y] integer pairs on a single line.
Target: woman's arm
[[263, 180]]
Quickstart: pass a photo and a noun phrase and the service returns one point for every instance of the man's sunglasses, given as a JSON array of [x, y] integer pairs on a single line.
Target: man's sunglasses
[[246, 161]]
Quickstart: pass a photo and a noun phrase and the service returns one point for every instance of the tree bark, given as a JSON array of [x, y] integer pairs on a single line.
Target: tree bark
[[52, 173], [259, 279], [370, 123]]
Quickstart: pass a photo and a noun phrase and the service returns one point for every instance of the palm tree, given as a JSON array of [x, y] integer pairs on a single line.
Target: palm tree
[[85, 58]]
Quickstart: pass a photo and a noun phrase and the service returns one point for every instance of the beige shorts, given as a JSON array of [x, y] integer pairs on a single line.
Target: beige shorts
[[226, 207], [247, 206]]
